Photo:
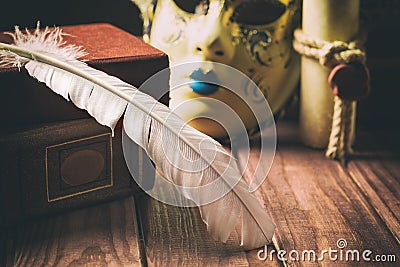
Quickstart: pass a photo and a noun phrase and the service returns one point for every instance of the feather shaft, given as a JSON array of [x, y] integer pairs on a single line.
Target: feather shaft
[[31, 55]]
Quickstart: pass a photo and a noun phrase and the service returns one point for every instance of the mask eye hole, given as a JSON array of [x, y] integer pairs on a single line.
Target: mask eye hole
[[193, 6], [258, 12]]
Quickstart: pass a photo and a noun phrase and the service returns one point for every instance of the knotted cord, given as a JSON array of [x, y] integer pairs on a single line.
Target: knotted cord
[[331, 54]]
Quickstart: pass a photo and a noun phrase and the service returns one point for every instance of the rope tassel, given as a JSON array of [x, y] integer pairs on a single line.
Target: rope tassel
[[349, 81], [340, 140]]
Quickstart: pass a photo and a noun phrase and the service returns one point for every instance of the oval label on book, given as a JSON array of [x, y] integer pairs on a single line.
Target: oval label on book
[[82, 167]]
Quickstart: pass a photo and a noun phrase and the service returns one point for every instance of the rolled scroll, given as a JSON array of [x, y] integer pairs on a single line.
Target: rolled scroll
[[329, 20]]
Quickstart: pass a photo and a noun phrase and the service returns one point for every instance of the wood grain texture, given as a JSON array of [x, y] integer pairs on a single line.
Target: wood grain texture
[[314, 203], [176, 236], [104, 235], [376, 171]]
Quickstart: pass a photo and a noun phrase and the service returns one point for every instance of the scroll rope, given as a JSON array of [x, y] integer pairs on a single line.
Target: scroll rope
[[330, 54]]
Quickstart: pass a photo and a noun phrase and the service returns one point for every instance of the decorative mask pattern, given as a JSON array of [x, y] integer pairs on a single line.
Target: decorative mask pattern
[[253, 36]]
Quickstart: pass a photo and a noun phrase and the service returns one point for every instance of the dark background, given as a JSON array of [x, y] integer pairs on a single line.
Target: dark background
[[122, 13], [380, 109]]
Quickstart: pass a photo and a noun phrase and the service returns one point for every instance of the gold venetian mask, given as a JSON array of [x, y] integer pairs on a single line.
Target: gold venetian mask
[[252, 36]]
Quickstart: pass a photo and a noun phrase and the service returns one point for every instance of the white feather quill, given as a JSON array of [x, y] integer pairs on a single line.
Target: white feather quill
[[198, 162]]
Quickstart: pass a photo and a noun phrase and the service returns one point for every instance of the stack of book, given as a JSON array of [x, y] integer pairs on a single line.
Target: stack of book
[[54, 156]]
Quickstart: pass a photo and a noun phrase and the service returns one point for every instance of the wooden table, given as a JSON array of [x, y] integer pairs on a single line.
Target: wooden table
[[317, 204]]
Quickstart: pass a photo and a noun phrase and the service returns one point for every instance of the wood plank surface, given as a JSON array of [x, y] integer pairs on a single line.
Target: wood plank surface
[[176, 236], [104, 235], [375, 168], [315, 203]]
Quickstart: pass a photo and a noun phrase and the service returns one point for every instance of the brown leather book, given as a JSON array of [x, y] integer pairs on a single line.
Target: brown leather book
[[54, 156]]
